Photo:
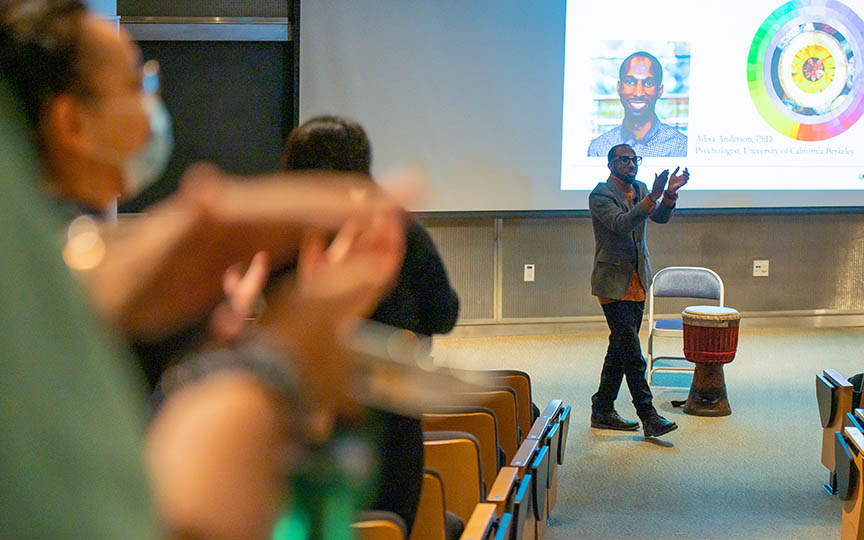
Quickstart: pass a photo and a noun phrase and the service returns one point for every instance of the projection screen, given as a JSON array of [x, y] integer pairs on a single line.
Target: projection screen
[[512, 105]]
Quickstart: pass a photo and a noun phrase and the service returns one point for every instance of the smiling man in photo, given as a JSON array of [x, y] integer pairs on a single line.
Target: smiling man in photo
[[640, 85]]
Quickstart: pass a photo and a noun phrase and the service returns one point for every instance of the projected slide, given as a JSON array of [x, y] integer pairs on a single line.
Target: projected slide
[[758, 95]]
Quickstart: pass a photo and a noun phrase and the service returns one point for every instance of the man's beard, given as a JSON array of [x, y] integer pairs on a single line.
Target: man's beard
[[628, 179]]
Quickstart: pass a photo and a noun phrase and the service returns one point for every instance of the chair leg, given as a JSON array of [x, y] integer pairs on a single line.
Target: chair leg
[[650, 358]]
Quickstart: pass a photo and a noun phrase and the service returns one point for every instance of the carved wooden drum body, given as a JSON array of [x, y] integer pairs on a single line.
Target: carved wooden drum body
[[710, 340]]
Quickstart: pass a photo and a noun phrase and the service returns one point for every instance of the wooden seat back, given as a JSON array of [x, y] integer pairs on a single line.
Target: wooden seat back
[[478, 421], [502, 402], [520, 382], [456, 458], [379, 525], [430, 520]]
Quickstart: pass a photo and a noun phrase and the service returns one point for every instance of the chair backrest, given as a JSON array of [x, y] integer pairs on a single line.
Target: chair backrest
[[478, 421], [456, 457], [687, 282], [430, 520], [501, 401], [520, 382], [379, 525], [684, 282]]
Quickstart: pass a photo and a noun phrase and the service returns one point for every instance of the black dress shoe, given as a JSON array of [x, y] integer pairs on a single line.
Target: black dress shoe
[[611, 420], [654, 425]]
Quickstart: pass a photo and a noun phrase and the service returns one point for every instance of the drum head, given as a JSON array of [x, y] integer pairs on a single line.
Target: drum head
[[719, 312]]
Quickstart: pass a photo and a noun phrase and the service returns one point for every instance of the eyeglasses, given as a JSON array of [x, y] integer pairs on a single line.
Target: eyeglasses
[[149, 75], [623, 160]]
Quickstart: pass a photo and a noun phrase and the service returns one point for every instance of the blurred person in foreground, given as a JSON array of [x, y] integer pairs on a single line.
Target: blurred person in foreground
[[79, 427], [422, 300]]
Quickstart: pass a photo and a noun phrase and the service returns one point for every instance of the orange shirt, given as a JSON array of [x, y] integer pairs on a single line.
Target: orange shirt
[[634, 292]]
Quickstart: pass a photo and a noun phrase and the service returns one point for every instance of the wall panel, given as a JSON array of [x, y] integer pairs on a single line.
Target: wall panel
[[562, 251], [204, 8], [468, 249], [816, 261]]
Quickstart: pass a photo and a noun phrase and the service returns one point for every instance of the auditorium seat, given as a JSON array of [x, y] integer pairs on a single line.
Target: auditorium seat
[[520, 382], [501, 401], [478, 421], [433, 521], [379, 525], [538, 457], [456, 457], [835, 397], [430, 522]]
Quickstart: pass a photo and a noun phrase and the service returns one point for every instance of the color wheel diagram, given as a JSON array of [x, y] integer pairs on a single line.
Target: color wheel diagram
[[804, 69]]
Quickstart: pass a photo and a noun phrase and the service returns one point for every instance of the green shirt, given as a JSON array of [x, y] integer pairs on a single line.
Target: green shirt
[[72, 412]]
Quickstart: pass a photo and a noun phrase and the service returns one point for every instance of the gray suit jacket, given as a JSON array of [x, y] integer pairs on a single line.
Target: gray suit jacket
[[619, 237]]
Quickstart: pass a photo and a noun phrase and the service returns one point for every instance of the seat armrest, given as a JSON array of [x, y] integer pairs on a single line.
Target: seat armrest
[[857, 438], [522, 459], [552, 408], [502, 488], [538, 428], [836, 378], [481, 522]]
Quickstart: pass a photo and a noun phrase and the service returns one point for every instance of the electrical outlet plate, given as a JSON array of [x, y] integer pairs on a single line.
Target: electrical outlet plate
[[529, 272], [760, 268]]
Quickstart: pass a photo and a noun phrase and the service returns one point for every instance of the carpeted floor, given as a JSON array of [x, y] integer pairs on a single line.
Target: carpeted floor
[[755, 474]]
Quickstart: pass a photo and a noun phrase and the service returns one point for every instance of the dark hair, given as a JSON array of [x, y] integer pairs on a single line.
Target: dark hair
[[330, 143], [40, 49], [611, 155], [656, 68]]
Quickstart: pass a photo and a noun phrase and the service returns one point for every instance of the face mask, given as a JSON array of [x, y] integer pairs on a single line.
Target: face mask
[[148, 164]]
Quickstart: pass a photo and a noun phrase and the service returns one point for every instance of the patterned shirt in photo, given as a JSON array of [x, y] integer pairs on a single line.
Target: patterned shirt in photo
[[662, 140]]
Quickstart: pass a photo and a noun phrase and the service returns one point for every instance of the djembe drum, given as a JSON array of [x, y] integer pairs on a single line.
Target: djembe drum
[[710, 340]]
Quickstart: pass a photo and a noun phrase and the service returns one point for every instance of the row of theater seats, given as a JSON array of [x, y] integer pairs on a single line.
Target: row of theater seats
[[492, 461], [842, 418]]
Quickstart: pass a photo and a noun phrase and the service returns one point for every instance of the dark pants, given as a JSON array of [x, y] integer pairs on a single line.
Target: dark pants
[[623, 359]]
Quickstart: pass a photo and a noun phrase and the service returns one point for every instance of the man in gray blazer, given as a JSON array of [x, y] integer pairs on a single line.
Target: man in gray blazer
[[620, 208]]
